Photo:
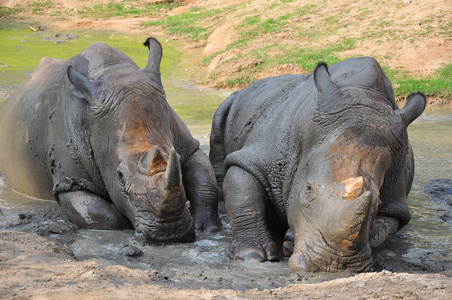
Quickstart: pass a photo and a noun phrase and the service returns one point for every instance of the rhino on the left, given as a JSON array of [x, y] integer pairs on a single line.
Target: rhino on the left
[[97, 134]]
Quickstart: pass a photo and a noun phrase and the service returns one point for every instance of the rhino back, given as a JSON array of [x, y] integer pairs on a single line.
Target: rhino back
[[23, 127]]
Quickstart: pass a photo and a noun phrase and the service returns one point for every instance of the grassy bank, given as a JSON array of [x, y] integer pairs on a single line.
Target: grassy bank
[[248, 40]]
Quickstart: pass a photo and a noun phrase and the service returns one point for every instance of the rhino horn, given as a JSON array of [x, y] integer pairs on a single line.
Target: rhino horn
[[173, 171], [354, 187], [155, 57], [329, 93], [350, 225]]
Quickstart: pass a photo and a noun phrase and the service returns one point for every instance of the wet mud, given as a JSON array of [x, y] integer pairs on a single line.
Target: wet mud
[[202, 264], [440, 192]]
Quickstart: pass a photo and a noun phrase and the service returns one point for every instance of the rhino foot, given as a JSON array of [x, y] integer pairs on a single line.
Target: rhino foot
[[245, 201], [201, 190], [209, 224], [384, 228], [288, 248], [129, 250], [87, 210], [269, 252], [289, 244]]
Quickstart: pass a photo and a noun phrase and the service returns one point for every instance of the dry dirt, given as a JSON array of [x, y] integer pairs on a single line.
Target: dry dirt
[[35, 267]]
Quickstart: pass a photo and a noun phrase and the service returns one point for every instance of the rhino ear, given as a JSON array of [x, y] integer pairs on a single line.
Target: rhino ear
[[80, 86], [414, 108], [155, 58], [322, 78], [330, 95]]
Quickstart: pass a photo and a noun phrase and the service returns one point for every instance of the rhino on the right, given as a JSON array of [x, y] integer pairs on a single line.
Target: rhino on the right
[[322, 161]]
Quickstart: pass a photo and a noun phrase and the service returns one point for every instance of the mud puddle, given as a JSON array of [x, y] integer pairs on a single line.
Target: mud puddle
[[202, 264]]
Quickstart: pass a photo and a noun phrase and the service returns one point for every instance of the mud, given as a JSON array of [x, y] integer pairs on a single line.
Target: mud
[[440, 192], [199, 265]]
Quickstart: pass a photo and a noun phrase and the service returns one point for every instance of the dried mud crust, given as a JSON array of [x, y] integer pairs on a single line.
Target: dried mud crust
[[33, 266]]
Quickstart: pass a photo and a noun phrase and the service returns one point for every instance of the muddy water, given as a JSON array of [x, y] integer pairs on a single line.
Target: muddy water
[[422, 246], [429, 233]]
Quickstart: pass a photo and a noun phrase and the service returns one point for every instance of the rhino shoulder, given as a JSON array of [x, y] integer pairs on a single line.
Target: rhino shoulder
[[49, 62], [46, 68], [95, 60], [363, 72]]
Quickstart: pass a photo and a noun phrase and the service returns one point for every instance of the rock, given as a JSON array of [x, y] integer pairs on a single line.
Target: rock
[[440, 192], [129, 250]]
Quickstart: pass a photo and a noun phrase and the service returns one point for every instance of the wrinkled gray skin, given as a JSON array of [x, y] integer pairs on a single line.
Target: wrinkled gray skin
[[325, 155], [97, 134]]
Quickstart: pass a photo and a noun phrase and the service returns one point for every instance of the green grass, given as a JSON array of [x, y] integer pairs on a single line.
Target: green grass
[[240, 80], [305, 10], [192, 24], [39, 8], [438, 84], [124, 9], [6, 12], [35, 8]]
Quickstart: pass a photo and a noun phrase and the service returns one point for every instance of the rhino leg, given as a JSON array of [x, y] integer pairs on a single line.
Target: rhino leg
[[384, 227], [87, 210], [289, 243], [202, 192], [245, 200]]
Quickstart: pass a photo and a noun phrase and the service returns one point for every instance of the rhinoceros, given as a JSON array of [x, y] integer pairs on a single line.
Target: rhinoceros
[[319, 164], [96, 134]]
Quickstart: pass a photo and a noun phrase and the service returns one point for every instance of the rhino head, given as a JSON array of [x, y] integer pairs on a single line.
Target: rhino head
[[354, 139], [131, 131]]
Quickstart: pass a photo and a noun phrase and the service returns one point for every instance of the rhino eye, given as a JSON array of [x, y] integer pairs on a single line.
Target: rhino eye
[[309, 188], [120, 177]]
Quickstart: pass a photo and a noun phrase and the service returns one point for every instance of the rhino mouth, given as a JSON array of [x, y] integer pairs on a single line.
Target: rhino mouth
[[150, 229], [316, 255]]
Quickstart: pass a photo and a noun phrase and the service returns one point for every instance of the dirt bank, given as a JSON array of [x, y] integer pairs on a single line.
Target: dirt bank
[[411, 36]]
